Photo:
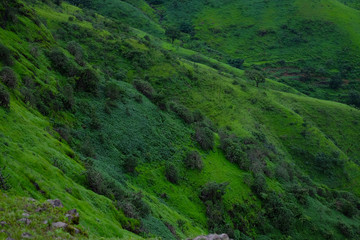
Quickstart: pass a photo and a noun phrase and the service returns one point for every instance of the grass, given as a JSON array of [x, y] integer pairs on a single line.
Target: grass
[[274, 119]]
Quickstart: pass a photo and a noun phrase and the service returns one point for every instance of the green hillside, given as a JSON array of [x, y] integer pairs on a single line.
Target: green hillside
[[152, 138], [305, 44]]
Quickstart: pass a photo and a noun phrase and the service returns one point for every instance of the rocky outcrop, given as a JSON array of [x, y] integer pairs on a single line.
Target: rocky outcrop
[[55, 203], [213, 237]]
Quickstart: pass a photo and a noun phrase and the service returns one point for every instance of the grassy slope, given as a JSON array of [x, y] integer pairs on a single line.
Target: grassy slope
[[29, 152], [271, 110]]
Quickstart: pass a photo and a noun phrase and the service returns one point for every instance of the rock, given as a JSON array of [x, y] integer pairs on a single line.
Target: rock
[[59, 225], [9, 238], [213, 237], [3, 223], [72, 230], [39, 209], [26, 235], [25, 220], [45, 222], [26, 215], [55, 203], [31, 200], [73, 216]]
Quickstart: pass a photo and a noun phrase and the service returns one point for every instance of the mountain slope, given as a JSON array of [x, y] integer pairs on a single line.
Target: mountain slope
[[107, 118]]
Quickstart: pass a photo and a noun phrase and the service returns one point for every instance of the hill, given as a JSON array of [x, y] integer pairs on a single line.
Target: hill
[[149, 139]]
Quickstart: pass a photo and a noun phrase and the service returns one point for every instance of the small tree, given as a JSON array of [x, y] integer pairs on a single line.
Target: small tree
[[335, 81], [237, 62], [130, 164], [213, 191], [8, 77], [205, 137], [172, 33], [354, 98], [255, 75], [5, 55], [172, 173], [145, 88], [113, 91], [193, 160], [4, 97], [88, 81]]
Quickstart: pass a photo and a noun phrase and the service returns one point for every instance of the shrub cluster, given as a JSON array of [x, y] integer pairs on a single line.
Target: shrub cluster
[[4, 97], [5, 56], [62, 63], [193, 160], [183, 112], [8, 77], [130, 163], [88, 81], [234, 152], [113, 91], [211, 194], [172, 173], [325, 163], [76, 50], [213, 191], [205, 137], [131, 203], [145, 88]]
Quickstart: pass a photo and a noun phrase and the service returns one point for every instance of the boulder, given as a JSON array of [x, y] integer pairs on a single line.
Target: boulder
[[55, 203], [59, 225], [25, 220], [213, 237], [26, 235], [73, 216]]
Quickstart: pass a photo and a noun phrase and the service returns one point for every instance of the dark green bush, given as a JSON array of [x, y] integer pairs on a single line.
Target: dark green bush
[[4, 180], [68, 97], [280, 215], [145, 88], [237, 62], [259, 185], [335, 81], [28, 96], [205, 137], [345, 230], [300, 193], [215, 216], [88, 81], [130, 164], [325, 163], [8, 77], [232, 147], [354, 98], [64, 132], [213, 191], [255, 75], [113, 91], [346, 207], [8, 14], [171, 173], [4, 97], [62, 63], [76, 50], [193, 160], [5, 55], [182, 112]]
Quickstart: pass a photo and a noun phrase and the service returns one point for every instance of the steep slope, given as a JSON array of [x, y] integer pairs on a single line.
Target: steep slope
[[303, 43], [116, 117]]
